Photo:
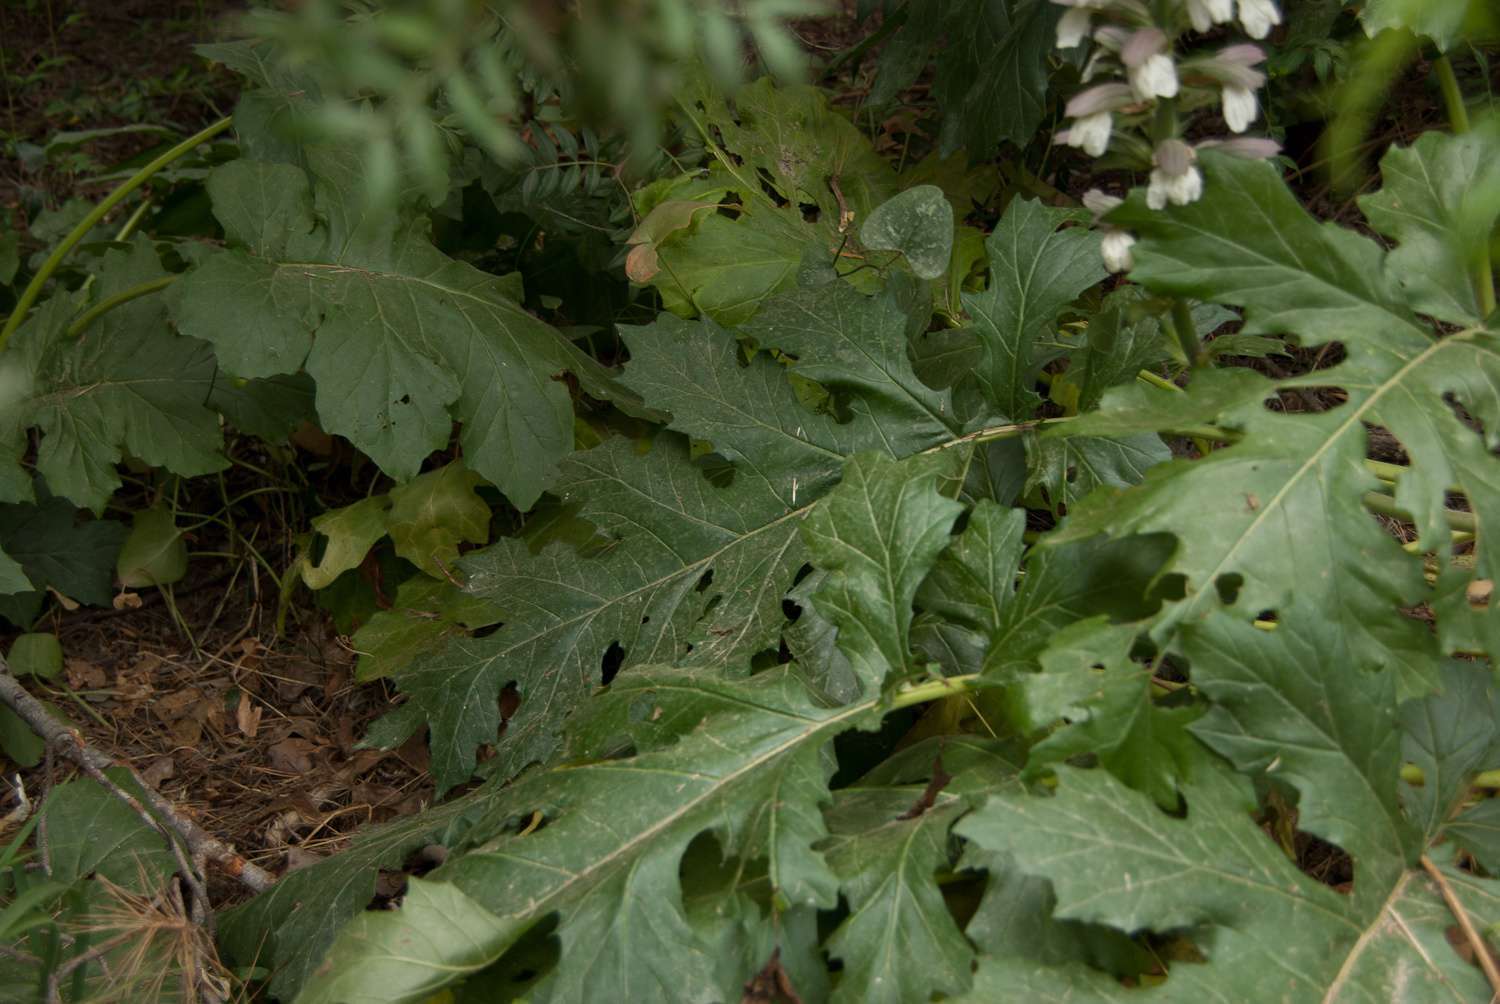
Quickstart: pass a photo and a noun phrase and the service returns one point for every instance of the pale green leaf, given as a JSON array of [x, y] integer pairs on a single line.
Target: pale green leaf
[[433, 514], [350, 531], [791, 140], [919, 224], [1443, 21], [90, 830], [154, 554], [38, 655], [423, 616]]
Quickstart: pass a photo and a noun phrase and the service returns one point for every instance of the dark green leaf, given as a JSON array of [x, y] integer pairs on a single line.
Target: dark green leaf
[[1035, 271], [878, 533]]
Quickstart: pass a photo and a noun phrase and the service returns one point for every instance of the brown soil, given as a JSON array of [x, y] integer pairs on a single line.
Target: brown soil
[[69, 65]]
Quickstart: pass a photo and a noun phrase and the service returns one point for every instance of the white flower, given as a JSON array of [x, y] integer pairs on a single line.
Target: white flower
[[1206, 13], [1090, 133], [1099, 202], [1257, 17], [1178, 189], [1073, 27], [1239, 108], [1155, 78], [1115, 248]]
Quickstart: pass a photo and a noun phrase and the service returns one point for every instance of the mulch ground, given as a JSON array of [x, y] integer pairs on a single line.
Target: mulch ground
[[250, 731]]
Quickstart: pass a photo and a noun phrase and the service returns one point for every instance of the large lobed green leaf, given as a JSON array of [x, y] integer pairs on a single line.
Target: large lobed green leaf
[[400, 339], [697, 571], [127, 385], [740, 760], [1294, 705], [1281, 509]]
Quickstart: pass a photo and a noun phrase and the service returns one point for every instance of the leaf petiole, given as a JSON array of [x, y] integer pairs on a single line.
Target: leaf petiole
[[55, 259], [104, 306]]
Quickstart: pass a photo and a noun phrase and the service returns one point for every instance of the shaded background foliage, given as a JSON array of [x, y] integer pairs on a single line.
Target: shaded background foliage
[[692, 488]]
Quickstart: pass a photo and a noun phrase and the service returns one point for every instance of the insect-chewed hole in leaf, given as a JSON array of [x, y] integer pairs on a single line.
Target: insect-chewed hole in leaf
[[790, 610], [1329, 863], [404, 399], [526, 823], [1306, 400], [810, 212], [730, 206], [960, 524], [390, 887], [614, 658], [717, 469], [424, 859], [510, 701], [704, 865], [807, 569], [1228, 587], [705, 580], [768, 185], [533, 956], [484, 631], [1461, 413]]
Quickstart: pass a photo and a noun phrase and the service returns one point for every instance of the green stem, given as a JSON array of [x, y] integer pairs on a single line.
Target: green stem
[[1412, 774], [109, 303], [1458, 118], [1453, 98], [55, 259], [1187, 333], [934, 690], [1155, 380], [134, 220], [1386, 506]]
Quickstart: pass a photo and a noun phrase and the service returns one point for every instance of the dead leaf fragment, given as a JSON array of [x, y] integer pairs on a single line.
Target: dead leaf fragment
[[291, 756], [159, 770], [247, 716], [84, 675]]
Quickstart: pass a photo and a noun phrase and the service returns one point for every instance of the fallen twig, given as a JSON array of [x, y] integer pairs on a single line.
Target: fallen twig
[[1476, 941], [68, 741]]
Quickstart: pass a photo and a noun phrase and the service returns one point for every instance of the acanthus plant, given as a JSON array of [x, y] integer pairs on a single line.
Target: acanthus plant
[[929, 614]]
